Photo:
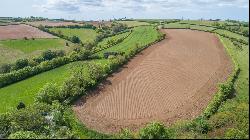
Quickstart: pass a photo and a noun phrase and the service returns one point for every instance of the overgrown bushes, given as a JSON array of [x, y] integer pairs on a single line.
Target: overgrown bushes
[[37, 121], [225, 90], [155, 131], [22, 63]]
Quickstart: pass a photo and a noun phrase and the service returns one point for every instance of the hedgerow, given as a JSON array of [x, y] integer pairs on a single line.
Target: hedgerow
[[9, 78], [225, 90]]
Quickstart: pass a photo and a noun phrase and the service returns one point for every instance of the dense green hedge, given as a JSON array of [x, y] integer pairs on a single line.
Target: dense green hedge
[[24, 62], [225, 90], [9, 78], [115, 42]]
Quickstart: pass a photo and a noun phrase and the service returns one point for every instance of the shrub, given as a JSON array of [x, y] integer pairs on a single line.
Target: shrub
[[5, 124], [32, 63], [126, 134], [24, 135], [48, 55], [201, 125], [224, 91], [154, 131], [75, 39], [60, 53], [38, 59], [29, 119], [21, 63], [5, 68], [21, 105], [49, 93], [221, 119], [63, 133]]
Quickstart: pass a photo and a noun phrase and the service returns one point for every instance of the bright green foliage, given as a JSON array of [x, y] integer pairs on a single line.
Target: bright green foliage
[[49, 93], [24, 135], [154, 131], [125, 134]]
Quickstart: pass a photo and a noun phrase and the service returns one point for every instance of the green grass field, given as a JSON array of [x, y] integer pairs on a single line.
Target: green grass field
[[203, 28], [205, 22], [176, 25], [231, 34], [85, 35], [140, 35], [27, 89], [105, 42], [133, 23], [11, 50], [29, 46], [235, 111]]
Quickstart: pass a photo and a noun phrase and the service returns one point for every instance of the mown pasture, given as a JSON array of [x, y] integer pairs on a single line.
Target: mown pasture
[[27, 89], [21, 48], [133, 23], [85, 35], [140, 36]]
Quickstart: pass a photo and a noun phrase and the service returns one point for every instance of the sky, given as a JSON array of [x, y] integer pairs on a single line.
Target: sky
[[137, 9]]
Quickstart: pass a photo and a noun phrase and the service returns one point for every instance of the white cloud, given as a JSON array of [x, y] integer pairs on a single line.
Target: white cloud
[[116, 5], [136, 8]]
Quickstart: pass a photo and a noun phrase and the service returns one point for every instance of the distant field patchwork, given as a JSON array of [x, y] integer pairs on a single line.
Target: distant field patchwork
[[133, 23]]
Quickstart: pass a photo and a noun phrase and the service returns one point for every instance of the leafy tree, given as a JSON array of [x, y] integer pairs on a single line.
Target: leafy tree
[[119, 27], [154, 131], [21, 63], [21, 105], [29, 119], [48, 55], [41, 27], [49, 93], [75, 39]]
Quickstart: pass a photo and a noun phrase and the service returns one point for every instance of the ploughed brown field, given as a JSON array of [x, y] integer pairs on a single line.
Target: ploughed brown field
[[21, 31], [52, 23], [172, 80]]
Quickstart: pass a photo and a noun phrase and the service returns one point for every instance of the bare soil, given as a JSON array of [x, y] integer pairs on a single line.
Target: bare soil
[[21, 31], [172, 80]]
